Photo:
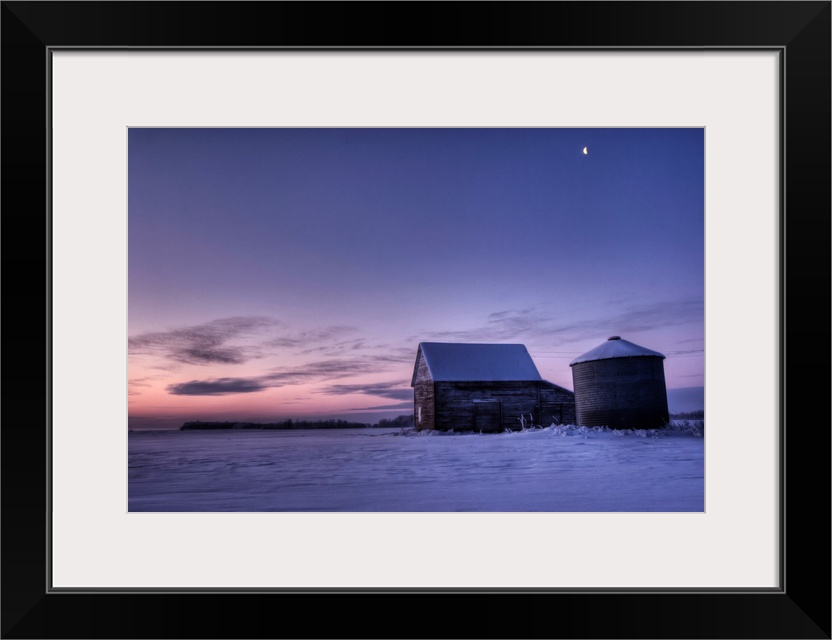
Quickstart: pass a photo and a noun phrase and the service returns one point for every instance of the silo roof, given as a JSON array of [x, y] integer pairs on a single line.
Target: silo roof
[[615, 347], [465, 362]]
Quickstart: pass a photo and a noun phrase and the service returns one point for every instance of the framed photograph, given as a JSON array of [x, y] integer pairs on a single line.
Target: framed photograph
[[371, 309], [214, 204]]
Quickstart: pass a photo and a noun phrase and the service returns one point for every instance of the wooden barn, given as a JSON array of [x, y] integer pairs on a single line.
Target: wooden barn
[[484, 387]]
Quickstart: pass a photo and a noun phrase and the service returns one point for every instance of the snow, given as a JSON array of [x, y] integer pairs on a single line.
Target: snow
[[454, 361], [553, 469], [615, 347]]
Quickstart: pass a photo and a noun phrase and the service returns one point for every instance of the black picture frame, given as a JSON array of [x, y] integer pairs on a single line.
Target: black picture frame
[[799, 608]]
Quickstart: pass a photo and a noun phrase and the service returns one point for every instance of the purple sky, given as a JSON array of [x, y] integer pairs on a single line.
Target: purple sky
[[291, 273]]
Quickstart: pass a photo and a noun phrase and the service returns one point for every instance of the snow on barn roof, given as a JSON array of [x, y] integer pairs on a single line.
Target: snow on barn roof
[[615, 347], [458, 362]]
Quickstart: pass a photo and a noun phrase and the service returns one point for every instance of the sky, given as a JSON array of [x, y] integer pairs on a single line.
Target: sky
[[291, 273]]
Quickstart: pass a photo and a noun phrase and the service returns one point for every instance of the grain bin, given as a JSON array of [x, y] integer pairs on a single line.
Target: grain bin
[[620, 385]]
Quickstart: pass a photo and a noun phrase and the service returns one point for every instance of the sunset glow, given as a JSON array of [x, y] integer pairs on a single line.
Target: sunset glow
[[290, 273]]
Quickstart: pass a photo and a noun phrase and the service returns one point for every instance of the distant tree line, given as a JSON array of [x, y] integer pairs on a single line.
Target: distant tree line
[[399, 421], [284, 424], [404, 421]]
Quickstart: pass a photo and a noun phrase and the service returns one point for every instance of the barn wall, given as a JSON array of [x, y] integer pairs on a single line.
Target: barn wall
[[456, 407], [423, 397], [557, 405], [621, 393]]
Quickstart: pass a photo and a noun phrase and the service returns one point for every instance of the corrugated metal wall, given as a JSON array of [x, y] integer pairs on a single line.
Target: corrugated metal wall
[[621, 393]]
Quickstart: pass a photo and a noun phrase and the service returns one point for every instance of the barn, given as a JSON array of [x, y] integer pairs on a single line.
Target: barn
[[484, 388]]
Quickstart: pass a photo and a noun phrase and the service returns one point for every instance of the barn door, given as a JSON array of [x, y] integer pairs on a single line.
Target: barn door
[[488, 416]]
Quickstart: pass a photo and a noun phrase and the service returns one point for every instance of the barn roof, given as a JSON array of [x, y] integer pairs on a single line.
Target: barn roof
[[615, 347], [458, 362]]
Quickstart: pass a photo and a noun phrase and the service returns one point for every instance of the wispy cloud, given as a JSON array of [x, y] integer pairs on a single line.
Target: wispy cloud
[[368, 349], [396, 356], [321, 339], [237, 340], [400, 405], [217, 387], [392, 390], [655, 316], [134, 383], [531, 324], [498, 327], [203, 344], [321, 370], [312, 372]]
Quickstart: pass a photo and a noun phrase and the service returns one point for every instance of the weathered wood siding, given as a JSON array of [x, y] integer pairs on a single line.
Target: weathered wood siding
[[557, 405], [423, 397], [496, 406]]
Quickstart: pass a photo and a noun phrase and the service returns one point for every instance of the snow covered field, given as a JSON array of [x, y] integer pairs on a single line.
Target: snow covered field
[[555, 469]]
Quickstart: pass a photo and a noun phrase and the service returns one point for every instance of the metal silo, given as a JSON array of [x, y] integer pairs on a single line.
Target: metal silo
[[620, 385]]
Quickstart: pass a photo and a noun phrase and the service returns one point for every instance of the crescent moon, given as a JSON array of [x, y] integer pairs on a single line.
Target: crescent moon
[[585, 151]]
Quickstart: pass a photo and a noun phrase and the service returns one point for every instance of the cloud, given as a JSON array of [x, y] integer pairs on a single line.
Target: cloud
[[498, 314], [217, 387], [133, 384], [391, 390], [309, 373], [400, 405], [140, 382], [657, 316], [237, 340], [303, 340], [330, 370], [534, 324], [205, 343], [499, 326], [331, 342], [396, 356], [337, 348]]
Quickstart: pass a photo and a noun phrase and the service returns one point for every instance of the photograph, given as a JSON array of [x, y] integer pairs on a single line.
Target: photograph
[[317, 305], [416, 319]]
